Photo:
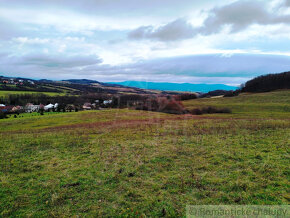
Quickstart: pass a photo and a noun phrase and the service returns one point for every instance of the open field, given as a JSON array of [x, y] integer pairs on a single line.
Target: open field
[[6, 93], [248, 104], [134, 163], [33, 114]]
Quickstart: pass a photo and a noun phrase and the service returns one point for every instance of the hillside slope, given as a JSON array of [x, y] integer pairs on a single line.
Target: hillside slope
[[134, 163], [71, 87], [183, 87], [249, 104]]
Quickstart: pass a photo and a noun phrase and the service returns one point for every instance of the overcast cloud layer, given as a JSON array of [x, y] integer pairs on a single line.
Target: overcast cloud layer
[[167, 40]]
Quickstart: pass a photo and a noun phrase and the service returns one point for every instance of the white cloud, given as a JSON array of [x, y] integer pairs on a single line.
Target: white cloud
[[151, 40]]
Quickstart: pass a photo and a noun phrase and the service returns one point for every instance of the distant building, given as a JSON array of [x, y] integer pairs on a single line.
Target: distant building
[[50, 106], [2, 108], [106, 102], [18, 109], [70, 107], [87, 106], [6, 109], [29, 108]]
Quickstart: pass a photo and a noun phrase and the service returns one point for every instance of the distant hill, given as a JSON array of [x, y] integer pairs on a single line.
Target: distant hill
[[90, 82], [268, 82], [184, 87], [81, 81], [70, 87]]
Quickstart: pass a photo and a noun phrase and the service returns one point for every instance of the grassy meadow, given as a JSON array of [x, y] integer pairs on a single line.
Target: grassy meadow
[[6, 93], [135, 163], [264, 104]]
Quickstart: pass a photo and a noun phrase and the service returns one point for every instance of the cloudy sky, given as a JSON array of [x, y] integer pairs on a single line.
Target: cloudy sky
[[196, 41]]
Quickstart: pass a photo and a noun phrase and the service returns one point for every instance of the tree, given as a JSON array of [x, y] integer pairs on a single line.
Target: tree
[[3, 115], [268, 82]]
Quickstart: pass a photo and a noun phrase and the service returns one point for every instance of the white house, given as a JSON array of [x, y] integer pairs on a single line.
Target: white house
[[50, 106], [87, 106], [31, 108], [108, 102]]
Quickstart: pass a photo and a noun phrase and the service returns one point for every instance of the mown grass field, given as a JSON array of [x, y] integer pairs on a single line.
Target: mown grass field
[[33, 114], [267, 104], [6, 93], [136, 163]]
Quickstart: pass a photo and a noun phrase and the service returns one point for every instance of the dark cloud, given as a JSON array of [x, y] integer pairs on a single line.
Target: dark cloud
[[178, 29], [217, 65], [287, 3], [203, 68], [238, 16]]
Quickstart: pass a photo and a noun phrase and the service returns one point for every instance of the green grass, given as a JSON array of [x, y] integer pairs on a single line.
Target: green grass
[[30, 115], [62, 90], [260, 104], [6, 93], [129, 163]]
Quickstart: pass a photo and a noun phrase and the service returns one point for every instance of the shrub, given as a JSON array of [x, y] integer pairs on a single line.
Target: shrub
[[186, 96], [196, 111], [41, 111], [232, 93], [2, 115], [225, 111], [172, 106], [209, 110], [162, 104]]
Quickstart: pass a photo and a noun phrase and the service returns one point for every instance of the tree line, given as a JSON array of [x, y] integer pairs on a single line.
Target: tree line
[[268, 83]]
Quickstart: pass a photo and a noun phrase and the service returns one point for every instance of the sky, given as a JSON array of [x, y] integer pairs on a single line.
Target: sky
[[193, 41]]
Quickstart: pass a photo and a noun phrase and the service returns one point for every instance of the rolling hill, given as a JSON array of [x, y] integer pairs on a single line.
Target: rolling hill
[[183, 87], [130, 163]]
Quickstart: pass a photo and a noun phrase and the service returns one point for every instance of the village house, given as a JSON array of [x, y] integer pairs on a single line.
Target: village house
[[70, 107], [6, 109], [2, 108], [50, 107], [107, 102], [29, 108], [87, 106], [18, 109]]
